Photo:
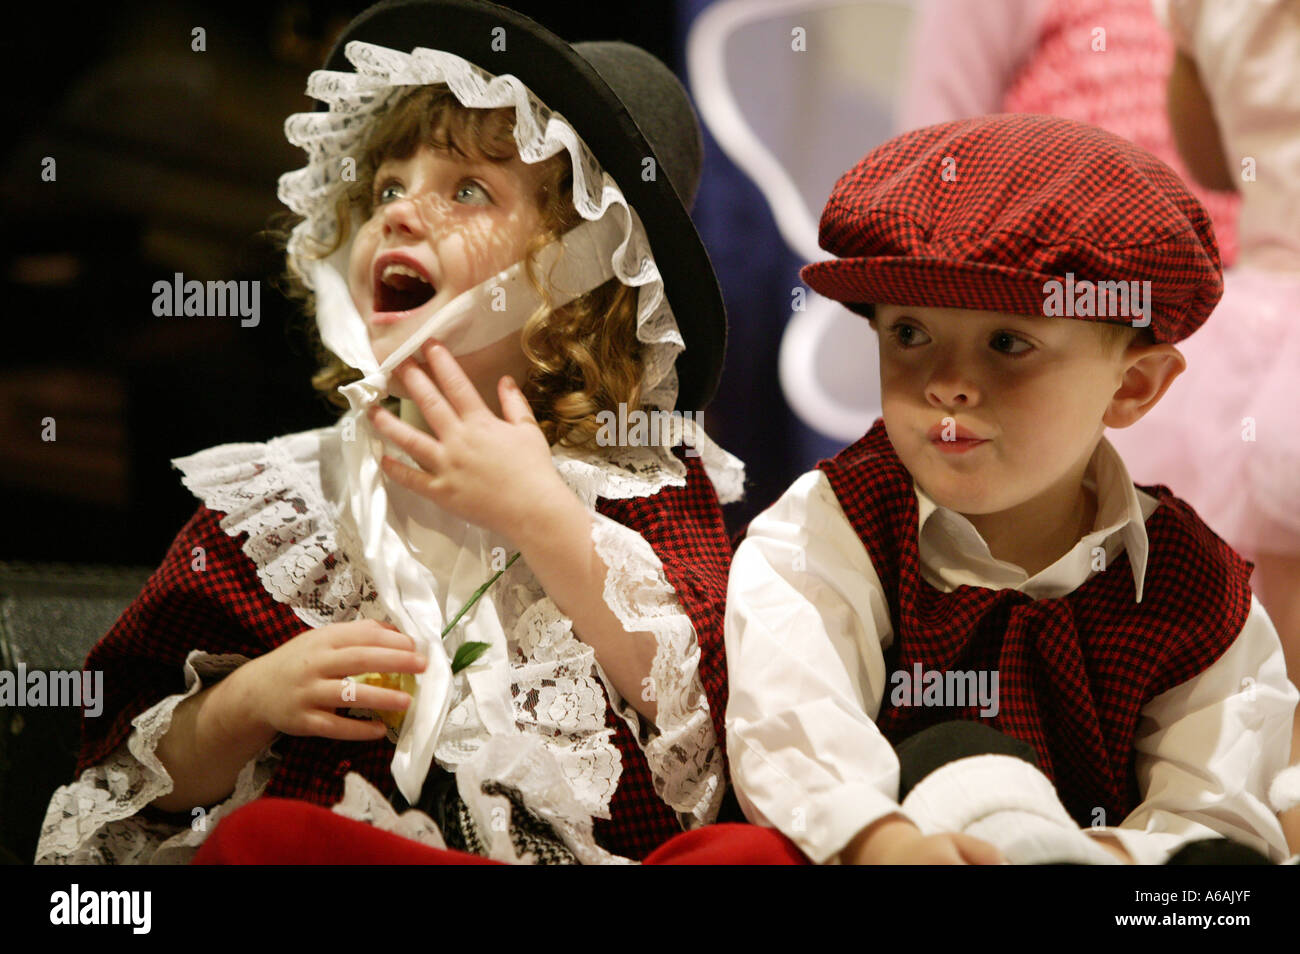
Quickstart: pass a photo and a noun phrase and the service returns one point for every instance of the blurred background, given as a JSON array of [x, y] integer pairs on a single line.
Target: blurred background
[[167, 161]]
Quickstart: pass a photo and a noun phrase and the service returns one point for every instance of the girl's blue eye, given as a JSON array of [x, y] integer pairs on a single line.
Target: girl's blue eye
[[1008, 338], [470, 192], [473, 192], [381, 194]]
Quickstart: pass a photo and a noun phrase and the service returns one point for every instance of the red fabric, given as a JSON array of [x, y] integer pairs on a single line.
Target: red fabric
[[224, 608], [282, 831], [728, 844], [1121, 88], [982, 213], [276, 831], [1074, 672]]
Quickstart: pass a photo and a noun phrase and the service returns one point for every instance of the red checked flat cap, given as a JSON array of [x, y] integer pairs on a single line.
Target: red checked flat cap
[[1023, 214]]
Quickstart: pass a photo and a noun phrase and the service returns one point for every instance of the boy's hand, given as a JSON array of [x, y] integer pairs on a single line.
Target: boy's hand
[[296, 688], [485, 469], [894, 840]]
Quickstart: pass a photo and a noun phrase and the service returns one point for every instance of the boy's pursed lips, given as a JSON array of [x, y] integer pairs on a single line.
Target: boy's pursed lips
[[950, 433], [949, 437]]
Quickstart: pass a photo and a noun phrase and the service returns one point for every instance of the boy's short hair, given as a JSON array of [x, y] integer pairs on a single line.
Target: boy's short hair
[[1116, 338]]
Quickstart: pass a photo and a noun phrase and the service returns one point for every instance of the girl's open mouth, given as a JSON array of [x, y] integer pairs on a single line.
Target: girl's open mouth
[[399, 289]]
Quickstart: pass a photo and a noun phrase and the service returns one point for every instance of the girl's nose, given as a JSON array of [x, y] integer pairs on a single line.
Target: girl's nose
[[401, 215], [417, 215]]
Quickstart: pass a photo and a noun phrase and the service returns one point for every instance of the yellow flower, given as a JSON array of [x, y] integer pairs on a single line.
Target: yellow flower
[[403, 681]]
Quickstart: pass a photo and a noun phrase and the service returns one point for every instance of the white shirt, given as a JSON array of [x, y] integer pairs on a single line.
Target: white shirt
[[806, 629]]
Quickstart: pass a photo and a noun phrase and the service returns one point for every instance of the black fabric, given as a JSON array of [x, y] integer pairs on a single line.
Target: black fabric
[[921, 754], [530, 834], [1216, 851], [440, 800]]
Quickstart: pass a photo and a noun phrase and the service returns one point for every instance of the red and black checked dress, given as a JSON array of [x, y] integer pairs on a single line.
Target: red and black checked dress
[[1074, 672], [225, 609]]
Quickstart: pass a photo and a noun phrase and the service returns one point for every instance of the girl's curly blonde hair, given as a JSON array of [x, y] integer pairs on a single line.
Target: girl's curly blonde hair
[[585, 357]]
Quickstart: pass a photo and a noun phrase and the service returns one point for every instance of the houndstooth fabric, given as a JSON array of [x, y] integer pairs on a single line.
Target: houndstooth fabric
[[983, 213], [1074, 672], [224, 608]]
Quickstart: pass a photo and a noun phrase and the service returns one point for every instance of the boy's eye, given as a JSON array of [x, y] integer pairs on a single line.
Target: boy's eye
[[1004, 341], [907, 335]]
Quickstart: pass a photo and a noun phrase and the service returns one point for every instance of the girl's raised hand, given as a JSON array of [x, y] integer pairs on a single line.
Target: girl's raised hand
[[296, 688], [485, 469]]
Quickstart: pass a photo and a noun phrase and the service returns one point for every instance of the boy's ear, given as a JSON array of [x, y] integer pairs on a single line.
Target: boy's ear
[[1148, 372]]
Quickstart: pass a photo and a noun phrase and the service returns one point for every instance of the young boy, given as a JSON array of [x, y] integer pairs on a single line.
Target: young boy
[[981, 561]]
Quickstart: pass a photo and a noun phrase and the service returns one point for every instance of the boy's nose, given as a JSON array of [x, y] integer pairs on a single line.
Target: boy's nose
[[949, 386], [949, 397]]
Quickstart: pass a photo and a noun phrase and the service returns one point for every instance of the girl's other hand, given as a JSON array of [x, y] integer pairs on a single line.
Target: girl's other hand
[[296, 688], [485, 469]]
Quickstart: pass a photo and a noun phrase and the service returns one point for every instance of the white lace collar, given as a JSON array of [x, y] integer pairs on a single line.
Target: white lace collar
[[273, 492]]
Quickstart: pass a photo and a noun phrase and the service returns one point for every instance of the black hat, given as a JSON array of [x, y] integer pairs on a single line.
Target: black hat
[[626, 105]]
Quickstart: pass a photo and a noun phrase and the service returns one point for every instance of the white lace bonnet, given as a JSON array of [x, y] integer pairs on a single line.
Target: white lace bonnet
[[355, 101]]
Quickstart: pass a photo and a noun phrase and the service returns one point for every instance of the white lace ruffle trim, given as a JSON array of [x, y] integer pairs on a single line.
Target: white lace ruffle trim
[[96, 819], [363, 802], [272, 492], [681, 746], [620, 473]]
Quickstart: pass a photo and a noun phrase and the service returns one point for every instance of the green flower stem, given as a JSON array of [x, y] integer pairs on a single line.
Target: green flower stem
[[472, 650]]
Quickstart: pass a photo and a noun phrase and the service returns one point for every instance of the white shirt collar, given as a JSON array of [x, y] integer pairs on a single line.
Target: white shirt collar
[[952, 552]]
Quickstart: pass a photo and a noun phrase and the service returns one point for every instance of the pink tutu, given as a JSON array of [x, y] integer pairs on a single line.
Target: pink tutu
[[1242, 382]]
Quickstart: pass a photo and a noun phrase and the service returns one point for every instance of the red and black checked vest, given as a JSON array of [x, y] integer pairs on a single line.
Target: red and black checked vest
[[1074, 672]]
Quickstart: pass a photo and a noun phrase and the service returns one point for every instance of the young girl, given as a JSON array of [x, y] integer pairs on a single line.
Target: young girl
[[1225, 435], [515, 277]]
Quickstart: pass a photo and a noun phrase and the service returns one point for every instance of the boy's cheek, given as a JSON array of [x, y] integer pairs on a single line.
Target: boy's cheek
[[896, 379]]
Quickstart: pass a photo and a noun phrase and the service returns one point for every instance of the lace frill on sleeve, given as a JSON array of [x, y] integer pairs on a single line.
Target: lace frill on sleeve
[[98, 818], [681, 747]]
